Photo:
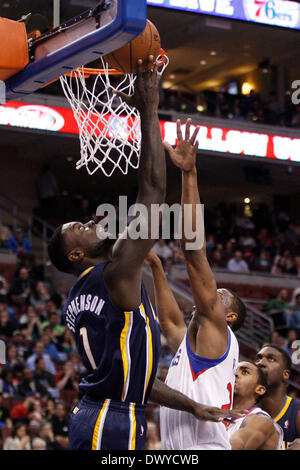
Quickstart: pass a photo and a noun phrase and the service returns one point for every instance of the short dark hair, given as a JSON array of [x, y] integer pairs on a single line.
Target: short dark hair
[[262, 380], [284, 354], [57, 252], [238, 307]]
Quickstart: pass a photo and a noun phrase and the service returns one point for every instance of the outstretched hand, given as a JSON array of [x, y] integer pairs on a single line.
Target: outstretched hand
[[146, 88], [184, 155], [212, 413]]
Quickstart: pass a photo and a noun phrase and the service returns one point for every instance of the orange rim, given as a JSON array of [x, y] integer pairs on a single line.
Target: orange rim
[[87, 72]]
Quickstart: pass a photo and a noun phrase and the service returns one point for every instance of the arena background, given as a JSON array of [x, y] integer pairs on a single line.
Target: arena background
[[226, 74]]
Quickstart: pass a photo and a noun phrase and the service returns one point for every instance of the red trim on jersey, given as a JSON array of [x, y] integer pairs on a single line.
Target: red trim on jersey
[[199, 373], [246, 414]]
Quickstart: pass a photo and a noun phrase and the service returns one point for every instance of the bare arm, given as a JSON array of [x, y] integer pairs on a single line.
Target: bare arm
[[170, 317], [166, 396], [254, 432], [212, 336], [124, 274]]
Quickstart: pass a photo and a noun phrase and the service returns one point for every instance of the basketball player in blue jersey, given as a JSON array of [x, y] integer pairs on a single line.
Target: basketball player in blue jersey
[[285, 410], [108, 309]]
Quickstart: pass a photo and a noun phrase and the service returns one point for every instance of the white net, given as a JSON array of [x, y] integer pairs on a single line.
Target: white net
[[109, 129]]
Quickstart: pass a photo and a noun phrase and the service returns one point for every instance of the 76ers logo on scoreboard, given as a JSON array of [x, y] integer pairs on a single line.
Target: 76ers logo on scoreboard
[[273, 12]]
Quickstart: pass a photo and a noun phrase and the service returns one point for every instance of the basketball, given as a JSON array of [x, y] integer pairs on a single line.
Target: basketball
[[125, 58]]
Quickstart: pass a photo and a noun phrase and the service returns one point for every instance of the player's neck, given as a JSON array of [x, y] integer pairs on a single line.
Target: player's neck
[[243, 403], [88, 263], [275, 401]]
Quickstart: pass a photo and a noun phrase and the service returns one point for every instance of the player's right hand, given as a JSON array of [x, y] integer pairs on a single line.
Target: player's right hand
[[152, 258], [212, 413], [146, 88]]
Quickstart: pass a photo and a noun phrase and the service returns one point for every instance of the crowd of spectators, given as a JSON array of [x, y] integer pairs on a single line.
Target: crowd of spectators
[[40, 375], [39, 381], [238, 107], [244, 240]]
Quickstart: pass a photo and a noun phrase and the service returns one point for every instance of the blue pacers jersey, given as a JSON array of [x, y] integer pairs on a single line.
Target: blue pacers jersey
[[119, 349], [287, 420]]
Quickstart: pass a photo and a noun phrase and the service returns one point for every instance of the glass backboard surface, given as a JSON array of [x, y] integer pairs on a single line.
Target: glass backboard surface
[[79, 41]]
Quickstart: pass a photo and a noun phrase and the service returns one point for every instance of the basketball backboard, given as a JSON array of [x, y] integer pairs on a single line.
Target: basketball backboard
[[68, 41]]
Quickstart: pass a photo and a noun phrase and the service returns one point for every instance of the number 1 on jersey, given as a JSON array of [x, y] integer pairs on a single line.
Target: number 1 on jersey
[[86, 345]]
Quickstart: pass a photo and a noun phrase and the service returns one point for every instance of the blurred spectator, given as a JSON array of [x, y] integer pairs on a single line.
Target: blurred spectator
[[31, 325], [216, 260], [39, 352], [244, 222], [50, 307], [60, 297], [279, 303], [21, 287], [42, 376], [5, 419], [19, 341], [263, 261], [50, 347], [60, 425], [3, 286], [49, 408], [4, 305], [35, 415], [46, 433], [38, 444], [9, 388], [18, 243], [39, 294], [295, 315], [247, 239], [162, 249], [67, 378], [5, 235], [53, 322], [295, 269], [292, 336], [237, 264], [13, 360], [68, 344], [19, 440], [7, 327], [30, 385], [20, 411]]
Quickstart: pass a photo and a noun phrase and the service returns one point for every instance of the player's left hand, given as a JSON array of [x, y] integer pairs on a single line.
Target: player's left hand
[[184, 156], [212, 413]]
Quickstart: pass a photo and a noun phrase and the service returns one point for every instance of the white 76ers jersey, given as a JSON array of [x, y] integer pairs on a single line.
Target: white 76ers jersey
[[206, 381], [236, 423]]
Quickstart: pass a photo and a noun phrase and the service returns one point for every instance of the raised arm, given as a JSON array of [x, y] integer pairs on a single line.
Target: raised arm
[[123, 275], [170, 317], [253, 433], [210, 312]]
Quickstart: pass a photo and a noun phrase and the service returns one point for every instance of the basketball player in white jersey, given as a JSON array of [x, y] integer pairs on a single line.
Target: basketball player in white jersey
[[256, 430], [207, 351]]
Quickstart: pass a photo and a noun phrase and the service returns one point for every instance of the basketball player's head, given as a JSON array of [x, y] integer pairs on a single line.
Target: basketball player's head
[[250, 382], [235, 308], [74, 245], [276, 363]]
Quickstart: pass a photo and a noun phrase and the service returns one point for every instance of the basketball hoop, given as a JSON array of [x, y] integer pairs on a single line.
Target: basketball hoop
[[109, 129]]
